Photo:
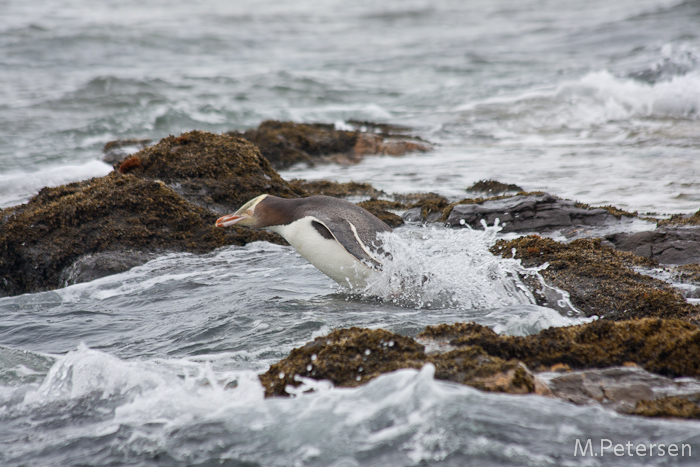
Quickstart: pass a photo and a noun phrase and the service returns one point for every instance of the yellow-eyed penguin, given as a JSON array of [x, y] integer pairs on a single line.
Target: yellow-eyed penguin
[[338, 237]]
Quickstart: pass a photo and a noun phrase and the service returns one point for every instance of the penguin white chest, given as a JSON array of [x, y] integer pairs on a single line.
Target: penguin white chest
[[327, 255]]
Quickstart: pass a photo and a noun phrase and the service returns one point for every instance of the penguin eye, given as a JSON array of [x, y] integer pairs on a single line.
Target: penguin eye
[[249, 212]]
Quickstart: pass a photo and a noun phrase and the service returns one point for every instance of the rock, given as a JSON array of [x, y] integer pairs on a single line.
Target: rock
[[424, 207], [335, 189], [217, 172], [350, 357], [105, 263], [380, 208], [667, 347], [528, 213], [620, 388], [493, 188], [630, 366], [288, 143], [671, 406], [115, 152], [667, 245], [600, 280], [153, 204]]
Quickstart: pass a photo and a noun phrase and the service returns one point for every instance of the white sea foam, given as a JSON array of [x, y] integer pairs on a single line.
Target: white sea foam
[[18, 187], [193, 413]]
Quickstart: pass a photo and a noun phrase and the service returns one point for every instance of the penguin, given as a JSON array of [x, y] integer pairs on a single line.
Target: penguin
[[338, 237]]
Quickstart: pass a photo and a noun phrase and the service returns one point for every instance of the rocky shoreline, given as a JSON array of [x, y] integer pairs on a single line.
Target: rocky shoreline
[[641, 356]]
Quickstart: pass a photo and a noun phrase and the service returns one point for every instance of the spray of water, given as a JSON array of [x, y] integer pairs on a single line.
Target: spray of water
[[435, 267]]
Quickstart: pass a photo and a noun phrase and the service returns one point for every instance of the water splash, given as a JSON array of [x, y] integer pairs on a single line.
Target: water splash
[[435, 267]]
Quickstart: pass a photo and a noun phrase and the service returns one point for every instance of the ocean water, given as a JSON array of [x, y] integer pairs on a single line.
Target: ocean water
[[593, 101]]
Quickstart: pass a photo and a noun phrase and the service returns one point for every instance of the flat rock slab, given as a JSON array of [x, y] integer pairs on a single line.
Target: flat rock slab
[[524, 213], [667, 245]]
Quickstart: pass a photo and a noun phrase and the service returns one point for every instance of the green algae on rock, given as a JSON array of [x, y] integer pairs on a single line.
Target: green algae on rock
[[600, 280]]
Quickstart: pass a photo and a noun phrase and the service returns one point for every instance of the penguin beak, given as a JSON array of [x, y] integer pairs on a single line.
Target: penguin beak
[[230, 219]]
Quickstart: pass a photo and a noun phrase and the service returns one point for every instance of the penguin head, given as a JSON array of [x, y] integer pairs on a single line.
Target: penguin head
[[251, 214]]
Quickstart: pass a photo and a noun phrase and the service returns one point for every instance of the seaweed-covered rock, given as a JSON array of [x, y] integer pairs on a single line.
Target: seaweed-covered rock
[[346, 357], [380, 208], [115, 152], [600, 280], [113, 213], [350, 357], [668, 347], [536, 212], [154, 202], [335, 189], [288, 143], [494, 188], [670, 406], [218, 172], [667, 245], [628, 366]]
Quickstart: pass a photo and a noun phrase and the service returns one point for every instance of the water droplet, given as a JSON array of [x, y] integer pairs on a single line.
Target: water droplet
[[309, 367], [367, 352], [358, 378], [313, 357], [281, 375], [391, 343]]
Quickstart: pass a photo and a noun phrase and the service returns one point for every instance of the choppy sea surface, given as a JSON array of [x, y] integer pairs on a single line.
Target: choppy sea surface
[[594, 101]]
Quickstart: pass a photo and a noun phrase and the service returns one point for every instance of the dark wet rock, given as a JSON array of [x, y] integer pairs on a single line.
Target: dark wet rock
[[494, 188], [288, 143], [667, 245], [667, 347], [600, 280], [153, 204], [114, 152], [218, 172], [621, 388], [350, 357], [535, 212], [105, 263]]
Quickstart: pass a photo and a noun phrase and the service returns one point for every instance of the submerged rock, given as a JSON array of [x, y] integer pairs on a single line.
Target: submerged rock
[[288, 143], [600, 280]]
